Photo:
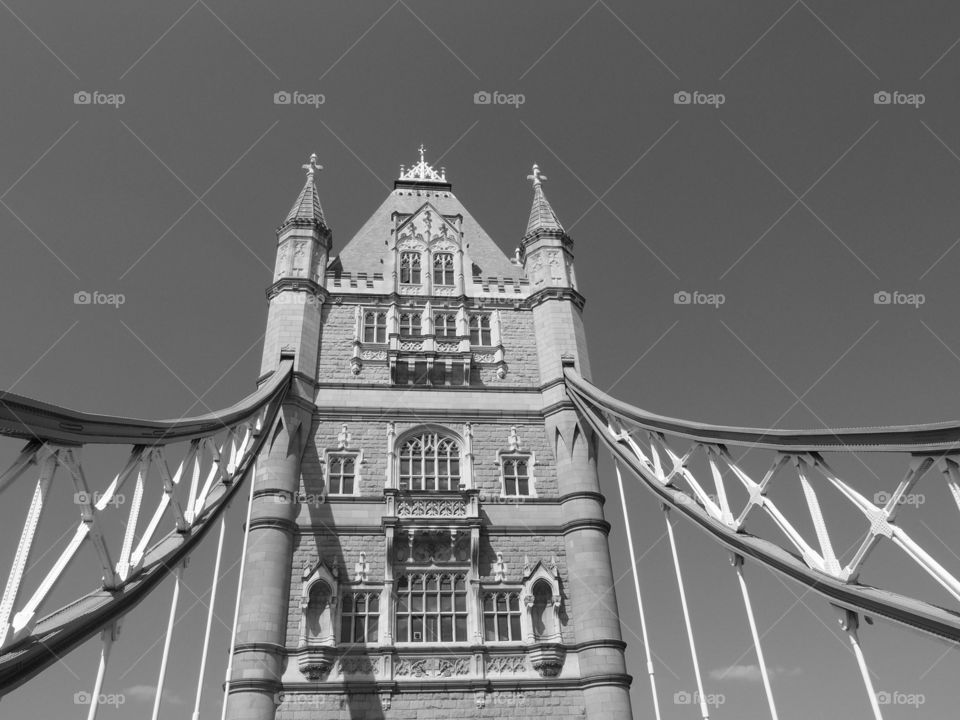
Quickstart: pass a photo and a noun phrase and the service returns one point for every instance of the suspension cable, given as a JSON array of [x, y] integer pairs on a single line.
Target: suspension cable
[[850, 622], [636, 586], [108, 635], [236, 608], [166, 642], [737, 562], [213, 599], [705, 713]]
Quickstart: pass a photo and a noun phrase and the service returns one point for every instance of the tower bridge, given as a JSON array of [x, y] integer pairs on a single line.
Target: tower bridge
[[425, 529]]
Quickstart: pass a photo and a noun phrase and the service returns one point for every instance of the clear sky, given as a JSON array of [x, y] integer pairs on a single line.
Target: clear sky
[[797, 198]]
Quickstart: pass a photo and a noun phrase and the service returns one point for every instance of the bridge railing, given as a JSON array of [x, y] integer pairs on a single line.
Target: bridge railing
[[692, 471], [192, 466]]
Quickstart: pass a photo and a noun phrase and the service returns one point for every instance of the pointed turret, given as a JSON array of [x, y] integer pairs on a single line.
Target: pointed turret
[[306, 210], [297, 293], [542, 216]]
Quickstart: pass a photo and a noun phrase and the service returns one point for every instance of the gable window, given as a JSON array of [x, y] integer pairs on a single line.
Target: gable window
[[480, 330], [431, 608], [501, 617], [446, 325], [410, 324], [410, 268], [516, 475], [341, 473], [443, 269], [375, 327], [429, 462], [360, 617]]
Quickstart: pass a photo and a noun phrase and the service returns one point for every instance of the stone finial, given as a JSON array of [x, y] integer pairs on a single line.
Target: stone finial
[[527, 567], [312, 167], [513, 440], [343, 437], [361, 569], [499, 568], [536, 176]]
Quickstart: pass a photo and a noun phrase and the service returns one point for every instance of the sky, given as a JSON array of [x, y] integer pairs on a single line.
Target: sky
[[782, 199]]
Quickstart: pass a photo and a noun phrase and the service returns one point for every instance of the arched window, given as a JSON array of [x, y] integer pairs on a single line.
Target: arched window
[[410, 268], [480, 330], [429, 461], [501, 617], [375, 327], [542, 616], [432, 608], [410, 324], [443, 269], [445, 325], [318, 616]]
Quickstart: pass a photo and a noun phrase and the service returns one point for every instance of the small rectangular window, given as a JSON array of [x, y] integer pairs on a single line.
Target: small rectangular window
[[480, 330], [445, 325], [516, 476], [374, 327], [410, 324], [341, 473], [410, 268], [501, 617], [360, 617]]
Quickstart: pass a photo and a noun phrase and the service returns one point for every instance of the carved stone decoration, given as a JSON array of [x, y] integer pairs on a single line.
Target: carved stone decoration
[[386, 699], [316, 662], [411, 289], [480, 697], [507, 664], [431, 508], [413, 345], [440, 547], [547, 658], [373, 355], [361, 569], [484, 357], [433, 667], [359, 665], [343, 438], [499, 568]]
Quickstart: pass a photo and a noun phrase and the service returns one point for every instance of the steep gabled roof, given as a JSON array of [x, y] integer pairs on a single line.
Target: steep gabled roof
[[542, 216]]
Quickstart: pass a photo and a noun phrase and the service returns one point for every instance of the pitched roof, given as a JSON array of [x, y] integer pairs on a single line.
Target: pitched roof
[[368, 250]]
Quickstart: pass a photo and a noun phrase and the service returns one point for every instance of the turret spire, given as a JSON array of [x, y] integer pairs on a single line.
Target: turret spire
[[307, 207], [542, 216]]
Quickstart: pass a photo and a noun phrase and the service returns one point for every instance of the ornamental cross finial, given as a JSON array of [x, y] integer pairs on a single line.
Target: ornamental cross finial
[[311, 167], [422, 151], [536, 177]]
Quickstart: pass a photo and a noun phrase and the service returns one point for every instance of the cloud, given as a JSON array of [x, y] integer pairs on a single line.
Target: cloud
[[750, 673], [146, 693]]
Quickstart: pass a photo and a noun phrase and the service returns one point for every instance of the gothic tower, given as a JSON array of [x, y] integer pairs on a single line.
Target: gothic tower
[[427, 536]]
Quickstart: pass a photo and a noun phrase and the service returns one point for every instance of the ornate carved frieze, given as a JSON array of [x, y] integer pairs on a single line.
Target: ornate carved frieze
[[502, 664], [409, 507], [433, 667], [359, 665]]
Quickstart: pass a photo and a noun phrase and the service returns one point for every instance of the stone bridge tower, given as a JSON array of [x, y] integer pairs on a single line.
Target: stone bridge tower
[[427, 536]]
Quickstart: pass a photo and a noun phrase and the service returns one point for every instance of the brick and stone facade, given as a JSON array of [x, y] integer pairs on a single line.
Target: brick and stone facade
[[427, 536]]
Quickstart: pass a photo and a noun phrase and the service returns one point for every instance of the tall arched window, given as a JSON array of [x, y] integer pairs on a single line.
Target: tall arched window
[[429, 461], [443, 269]]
